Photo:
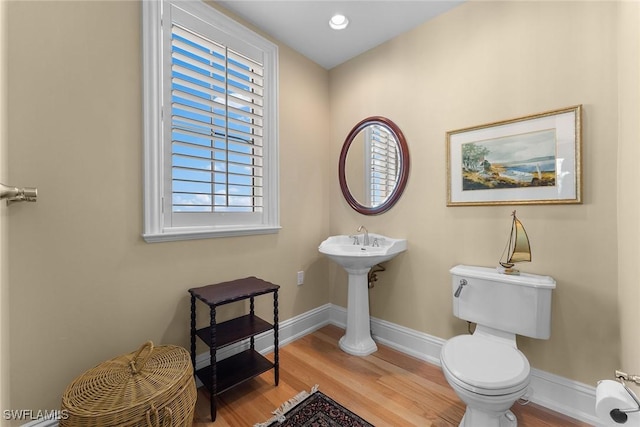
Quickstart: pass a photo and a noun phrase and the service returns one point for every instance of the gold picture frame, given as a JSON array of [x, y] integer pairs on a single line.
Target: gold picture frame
[[528, 160]]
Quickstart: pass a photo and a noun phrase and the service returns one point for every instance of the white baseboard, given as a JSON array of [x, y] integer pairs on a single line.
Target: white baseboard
[[572, 398], [288, 331], [565, 396], [41, 423], [50, 421], [557, 393]]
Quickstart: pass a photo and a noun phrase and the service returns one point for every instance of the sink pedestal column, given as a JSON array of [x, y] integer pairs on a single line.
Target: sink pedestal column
[[357, 339]]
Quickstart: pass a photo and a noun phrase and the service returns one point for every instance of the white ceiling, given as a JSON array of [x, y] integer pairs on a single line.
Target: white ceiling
[[304, 24]]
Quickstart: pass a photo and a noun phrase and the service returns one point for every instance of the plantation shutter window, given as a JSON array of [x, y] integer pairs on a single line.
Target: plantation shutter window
[[218, 126]]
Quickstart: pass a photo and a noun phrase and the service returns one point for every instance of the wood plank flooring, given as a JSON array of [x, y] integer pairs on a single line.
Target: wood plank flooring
[[387, 388]]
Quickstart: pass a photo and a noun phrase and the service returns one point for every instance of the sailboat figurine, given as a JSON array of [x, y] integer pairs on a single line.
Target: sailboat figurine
[[517, 249]]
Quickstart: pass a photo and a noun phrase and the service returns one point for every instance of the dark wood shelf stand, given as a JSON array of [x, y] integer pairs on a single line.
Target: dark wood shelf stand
[[220, 376]]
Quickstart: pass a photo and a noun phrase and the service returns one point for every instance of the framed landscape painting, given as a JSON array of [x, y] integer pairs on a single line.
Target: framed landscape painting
[[528, 160]]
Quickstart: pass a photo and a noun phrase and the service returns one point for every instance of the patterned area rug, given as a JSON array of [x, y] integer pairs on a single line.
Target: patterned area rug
[[313, 409]]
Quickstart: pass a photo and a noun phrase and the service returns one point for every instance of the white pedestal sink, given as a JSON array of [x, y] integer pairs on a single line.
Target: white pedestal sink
[[357, 259]]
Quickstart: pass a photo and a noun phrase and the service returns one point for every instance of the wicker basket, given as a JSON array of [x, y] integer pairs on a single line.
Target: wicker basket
[[152, 387]]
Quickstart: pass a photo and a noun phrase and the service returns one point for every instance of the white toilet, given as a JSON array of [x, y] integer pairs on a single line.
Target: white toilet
[[486, 369]]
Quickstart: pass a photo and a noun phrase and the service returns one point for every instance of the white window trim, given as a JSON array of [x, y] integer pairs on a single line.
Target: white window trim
[[155, 171]]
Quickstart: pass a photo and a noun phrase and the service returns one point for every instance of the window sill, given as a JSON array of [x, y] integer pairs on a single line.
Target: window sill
[[207, 233]]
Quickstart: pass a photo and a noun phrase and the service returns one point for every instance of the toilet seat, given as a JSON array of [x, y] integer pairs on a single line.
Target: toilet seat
[[483, 366]]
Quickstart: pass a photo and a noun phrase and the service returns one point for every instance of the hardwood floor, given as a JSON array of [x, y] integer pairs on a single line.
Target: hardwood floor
[[386, 388]]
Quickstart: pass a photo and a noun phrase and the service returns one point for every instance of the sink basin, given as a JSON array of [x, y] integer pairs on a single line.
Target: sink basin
[[357, 259], [342, 250]]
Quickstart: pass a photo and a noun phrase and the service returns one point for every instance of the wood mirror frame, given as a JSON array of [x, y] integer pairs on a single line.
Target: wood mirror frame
[[403, 173]]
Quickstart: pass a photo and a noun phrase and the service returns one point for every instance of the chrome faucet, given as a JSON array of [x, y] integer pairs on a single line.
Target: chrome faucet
[[365, 242]]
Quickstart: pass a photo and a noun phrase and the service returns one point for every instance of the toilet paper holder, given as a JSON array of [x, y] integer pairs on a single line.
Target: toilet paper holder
[[620, 415]]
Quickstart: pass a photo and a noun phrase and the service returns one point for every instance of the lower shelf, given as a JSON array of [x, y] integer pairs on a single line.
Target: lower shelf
[[235, 370]]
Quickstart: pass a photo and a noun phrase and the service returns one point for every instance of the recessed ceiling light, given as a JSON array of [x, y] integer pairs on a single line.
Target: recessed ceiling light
[[338, 22]]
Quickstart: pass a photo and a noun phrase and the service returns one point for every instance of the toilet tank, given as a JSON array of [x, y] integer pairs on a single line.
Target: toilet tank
[[520, 304]]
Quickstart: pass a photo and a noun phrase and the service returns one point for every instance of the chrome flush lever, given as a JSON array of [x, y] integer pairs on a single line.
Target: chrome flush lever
[[463, 283]]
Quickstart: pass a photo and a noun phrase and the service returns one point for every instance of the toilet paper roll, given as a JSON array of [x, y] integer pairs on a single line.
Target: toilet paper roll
[[612, 395]]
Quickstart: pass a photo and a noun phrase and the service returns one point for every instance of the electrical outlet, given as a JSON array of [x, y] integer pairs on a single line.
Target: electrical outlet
[[300, 277]]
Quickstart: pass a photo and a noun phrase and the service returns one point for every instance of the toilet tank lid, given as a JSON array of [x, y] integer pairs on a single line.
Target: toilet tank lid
[[523, 279]]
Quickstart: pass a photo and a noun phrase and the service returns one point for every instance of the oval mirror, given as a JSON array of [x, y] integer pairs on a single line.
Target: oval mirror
[[374, 165]]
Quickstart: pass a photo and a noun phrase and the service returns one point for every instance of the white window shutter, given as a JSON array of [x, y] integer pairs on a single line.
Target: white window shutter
[[218, 125], [382, 162]]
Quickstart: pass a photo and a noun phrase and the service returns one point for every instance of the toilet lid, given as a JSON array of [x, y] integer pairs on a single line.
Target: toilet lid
[[485, 366]]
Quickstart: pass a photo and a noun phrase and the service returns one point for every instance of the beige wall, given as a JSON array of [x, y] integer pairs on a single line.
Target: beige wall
[[628, 189], [85, 287], [479, 63], [4, 270]]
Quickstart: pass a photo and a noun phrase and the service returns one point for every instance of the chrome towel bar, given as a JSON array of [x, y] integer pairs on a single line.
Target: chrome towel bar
[[15, 194]]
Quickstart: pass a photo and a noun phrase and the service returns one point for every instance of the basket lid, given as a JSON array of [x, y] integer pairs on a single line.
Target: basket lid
[[134, 379]]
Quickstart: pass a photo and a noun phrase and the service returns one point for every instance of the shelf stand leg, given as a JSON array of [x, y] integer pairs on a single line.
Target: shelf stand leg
[[276, 360], [212, 357], [193, 333], [252, 309]]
